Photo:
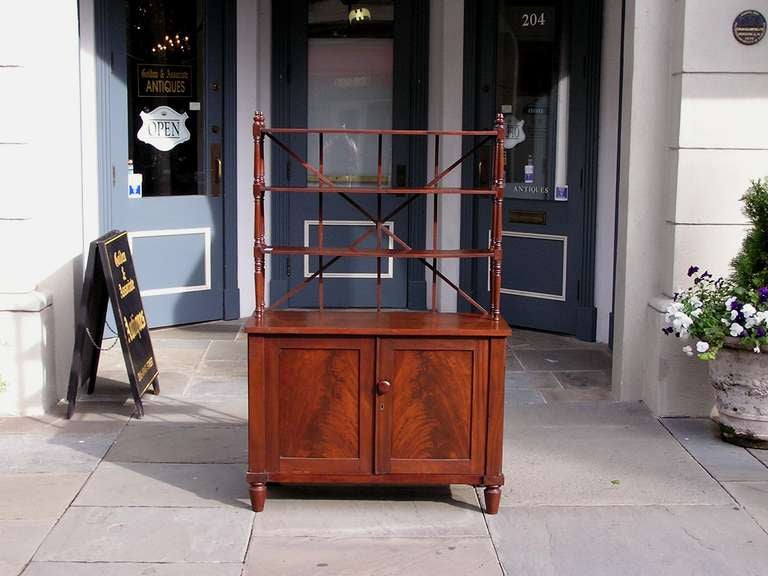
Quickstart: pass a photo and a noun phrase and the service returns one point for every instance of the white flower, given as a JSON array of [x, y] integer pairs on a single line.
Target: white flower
[[761, 317], [673, 310], [736, 329], [695, 302], [688, 350], [702, 347], [724, 321], [730, 301], [748, 310], [756, 349], [697, 312], [734, 314]]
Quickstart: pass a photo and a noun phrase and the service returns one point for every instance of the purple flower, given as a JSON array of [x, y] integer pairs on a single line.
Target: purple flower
[[692, 270], [736, 305], [668, 330], [760, 332], [763, 293]]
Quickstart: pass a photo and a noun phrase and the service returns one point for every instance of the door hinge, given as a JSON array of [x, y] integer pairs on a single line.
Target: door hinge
[[288, 268], [114, 176]]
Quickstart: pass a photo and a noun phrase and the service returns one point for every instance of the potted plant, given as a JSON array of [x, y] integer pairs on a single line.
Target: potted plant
[[726, 320]]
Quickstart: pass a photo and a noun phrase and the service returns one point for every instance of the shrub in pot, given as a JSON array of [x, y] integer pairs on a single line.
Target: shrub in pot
[[726, 321]]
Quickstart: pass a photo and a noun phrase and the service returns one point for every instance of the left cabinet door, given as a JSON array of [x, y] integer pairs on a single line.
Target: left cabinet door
[[318, 405]]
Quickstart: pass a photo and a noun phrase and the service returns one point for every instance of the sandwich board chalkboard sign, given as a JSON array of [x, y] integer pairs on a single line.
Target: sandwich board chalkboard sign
[[111, 278]]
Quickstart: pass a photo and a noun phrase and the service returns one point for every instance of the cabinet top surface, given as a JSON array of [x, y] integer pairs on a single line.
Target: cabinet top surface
[[363, 322]]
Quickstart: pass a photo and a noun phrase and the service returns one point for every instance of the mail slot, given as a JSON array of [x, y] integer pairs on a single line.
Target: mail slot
[[527, 217]]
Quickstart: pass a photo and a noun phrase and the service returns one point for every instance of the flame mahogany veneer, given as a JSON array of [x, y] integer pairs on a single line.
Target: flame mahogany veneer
[[375, 398]]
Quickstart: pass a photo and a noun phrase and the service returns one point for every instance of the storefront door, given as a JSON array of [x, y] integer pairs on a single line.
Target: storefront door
[[537, 63], [166, 151], [339, 64]]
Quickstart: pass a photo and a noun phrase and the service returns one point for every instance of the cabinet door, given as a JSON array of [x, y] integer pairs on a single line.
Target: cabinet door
[[431, 406], [319, 394]]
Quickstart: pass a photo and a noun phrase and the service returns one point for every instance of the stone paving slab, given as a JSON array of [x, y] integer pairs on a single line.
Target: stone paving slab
[[20, 539], [11, 568], [218, 387], [409, 516], [220, 350], [577, 395], [725, 461], [522, 397], [562, 359], [753, 497], [533, 340], [132, 569], [112, 385], [54, 452], [568, 465], [513, 364], [372, 556], [141, 484], [587, 414], [584, 379], [629, 540], [171, 442], [37, 496], [148, 535], [530, 380], [208, 331], [233, 411], [761, 455]]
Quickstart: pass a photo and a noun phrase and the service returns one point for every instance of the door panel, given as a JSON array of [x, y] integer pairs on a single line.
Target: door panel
[[430, 418], [532, 62], [165, 126], [322, 413], [340, 73]]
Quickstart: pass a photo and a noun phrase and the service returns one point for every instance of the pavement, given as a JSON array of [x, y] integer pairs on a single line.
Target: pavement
[[593, 487]]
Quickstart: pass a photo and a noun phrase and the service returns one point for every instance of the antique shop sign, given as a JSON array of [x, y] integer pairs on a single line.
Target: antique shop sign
[[749, 27], [162, 80], [110, 278], [163, 128]]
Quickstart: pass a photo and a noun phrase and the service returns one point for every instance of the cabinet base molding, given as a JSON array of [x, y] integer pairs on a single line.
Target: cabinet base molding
[[375, 398]]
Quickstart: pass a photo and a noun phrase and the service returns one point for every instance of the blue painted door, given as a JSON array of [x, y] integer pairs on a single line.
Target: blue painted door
[[537, 62], [165, 148], [337, 72]]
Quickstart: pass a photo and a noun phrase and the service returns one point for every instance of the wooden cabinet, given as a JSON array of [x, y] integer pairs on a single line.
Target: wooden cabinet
[[356, 397]]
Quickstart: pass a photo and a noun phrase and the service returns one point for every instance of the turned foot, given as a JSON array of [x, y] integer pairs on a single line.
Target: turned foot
[[258, 494], [492, 499]]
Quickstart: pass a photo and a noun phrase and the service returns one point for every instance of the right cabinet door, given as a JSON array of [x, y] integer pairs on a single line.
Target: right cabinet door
[[431, 406]]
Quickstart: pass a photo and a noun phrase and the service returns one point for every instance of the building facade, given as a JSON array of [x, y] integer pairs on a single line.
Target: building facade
[[633, 127]]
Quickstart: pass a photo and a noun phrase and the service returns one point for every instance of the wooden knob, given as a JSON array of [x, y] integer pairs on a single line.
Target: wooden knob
[[383, 387]]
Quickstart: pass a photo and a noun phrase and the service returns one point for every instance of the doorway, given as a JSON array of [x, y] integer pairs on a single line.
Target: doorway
[[538, 63], [167, 152], [344, 64]]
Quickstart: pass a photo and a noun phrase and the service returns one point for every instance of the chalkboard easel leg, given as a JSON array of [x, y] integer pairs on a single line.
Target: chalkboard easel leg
[[136, 399], [156, 387]]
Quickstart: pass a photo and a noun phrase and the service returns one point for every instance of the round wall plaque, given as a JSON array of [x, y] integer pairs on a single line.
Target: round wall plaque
[[749, 27]]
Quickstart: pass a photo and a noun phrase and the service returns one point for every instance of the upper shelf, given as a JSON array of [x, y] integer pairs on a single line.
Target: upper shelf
[[376, 132]]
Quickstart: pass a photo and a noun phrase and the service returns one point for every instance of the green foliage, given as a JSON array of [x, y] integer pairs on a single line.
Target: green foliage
[[750, 267]]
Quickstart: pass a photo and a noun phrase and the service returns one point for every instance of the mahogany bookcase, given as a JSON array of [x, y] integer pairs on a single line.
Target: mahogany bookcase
[[376, 396]]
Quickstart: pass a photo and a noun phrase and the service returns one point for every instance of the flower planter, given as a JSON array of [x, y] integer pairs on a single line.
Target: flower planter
[[740, 380]]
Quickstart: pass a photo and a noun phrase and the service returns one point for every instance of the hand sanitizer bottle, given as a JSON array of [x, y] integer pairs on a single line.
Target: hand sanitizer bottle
[[529, 170]]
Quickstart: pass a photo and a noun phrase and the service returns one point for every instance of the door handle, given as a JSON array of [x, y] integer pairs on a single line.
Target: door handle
[[383, 387], [216, 169]]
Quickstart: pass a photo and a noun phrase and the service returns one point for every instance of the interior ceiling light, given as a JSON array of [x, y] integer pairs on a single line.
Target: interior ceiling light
[[359, 15]]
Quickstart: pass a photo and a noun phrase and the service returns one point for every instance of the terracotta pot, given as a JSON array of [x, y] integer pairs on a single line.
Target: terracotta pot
[[740, 380]]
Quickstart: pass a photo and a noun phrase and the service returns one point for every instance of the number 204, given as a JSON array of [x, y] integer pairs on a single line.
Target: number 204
[[534, 19]]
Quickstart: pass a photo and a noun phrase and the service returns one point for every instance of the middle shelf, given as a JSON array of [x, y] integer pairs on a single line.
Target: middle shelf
[[378, 252]]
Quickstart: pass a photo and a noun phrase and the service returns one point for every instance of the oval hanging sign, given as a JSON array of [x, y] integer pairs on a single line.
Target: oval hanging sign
[[749, 27], [163, 128]]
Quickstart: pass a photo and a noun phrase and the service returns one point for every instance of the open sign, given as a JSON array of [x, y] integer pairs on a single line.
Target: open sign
[[163, 128]]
